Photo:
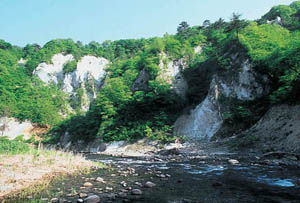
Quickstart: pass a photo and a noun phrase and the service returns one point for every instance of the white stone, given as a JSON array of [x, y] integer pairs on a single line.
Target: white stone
[[233, 161]]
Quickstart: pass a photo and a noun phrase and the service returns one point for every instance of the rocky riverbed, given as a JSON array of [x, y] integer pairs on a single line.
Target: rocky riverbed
[[185, 175]]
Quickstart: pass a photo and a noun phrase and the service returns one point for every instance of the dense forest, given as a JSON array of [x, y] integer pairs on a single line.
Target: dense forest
[[123, 113]]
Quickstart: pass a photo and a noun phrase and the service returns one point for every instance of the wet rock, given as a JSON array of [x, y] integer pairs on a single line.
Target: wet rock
[[111, 196], [149, 184], [83, 195], [122, 194], [45, 199], [233, 161], [92, 199], [125, 191], [139, 184], [161, 175], [136, 192], [99, 179], [109, 188], [124, 184], [80, 201], [88, 184]]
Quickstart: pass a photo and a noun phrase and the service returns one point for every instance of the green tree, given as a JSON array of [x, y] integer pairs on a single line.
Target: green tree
[[183, 29]]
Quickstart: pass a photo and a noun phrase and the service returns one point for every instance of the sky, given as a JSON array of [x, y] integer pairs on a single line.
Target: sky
[[39, 21]]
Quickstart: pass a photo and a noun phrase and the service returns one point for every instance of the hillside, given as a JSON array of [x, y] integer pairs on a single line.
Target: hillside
[[205, 82]]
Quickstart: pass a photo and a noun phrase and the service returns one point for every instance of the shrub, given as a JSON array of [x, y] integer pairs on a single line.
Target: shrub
[[13, 146]]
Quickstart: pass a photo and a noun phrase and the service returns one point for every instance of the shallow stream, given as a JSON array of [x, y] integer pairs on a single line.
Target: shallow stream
[[182, 178]]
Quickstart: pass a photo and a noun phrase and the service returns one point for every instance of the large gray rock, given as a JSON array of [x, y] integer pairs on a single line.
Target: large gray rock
[[141, 82]]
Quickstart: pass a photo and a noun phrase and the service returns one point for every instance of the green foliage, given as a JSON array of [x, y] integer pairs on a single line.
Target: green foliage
[[262, 40], [288, 14], [13, 146], [275, 50], [24, 97], [123, 112], [70, 67]]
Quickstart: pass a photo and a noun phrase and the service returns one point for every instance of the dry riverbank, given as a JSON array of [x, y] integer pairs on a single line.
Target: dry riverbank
[[27, 173]]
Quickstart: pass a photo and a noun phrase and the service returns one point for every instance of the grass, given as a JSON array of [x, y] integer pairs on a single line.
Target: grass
[[25, 170]]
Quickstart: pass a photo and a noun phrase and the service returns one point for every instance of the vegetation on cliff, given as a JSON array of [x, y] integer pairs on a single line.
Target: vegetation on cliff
[[122, 112]]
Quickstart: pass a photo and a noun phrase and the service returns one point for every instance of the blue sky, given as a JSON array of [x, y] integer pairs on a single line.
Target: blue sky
[[38, 21]]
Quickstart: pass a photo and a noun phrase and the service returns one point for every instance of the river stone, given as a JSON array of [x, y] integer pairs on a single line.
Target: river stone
[[83, 195], [88, 184], [92, 199], [136, 192], [54, 200], [149, 184], [80, 200], [233, 161], [99, 179], [122, 194], [139, 184]]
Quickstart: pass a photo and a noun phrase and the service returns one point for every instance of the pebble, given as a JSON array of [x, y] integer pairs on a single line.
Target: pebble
[[99, 179], [83, 195], [124, 184], [125, 191], [149, 184], [80, 200], [109, 188], [136, 192], [139, 184], [233, 161], [122, 194], [88, 184], [92, 199]]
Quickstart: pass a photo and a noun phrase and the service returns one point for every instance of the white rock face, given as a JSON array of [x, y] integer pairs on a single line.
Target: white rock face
[[246, 87], [172, 74], [93, 66], [206, 119], [12, 128], [203, 121], [53, 72], [89, 76]]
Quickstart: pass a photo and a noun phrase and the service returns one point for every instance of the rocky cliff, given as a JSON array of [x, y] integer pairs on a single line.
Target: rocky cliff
[[277, 130], [82, 84], [240, 83]]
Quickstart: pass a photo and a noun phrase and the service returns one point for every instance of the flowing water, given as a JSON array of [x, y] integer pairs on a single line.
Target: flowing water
[[182, 178]]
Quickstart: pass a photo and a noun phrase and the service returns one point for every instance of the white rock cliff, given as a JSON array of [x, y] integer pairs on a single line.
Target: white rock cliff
[[206, 119], [86, 79]]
